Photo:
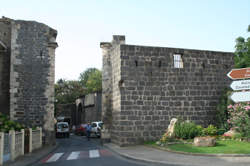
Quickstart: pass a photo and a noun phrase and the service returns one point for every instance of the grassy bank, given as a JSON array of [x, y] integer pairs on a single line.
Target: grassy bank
[[222, 147]]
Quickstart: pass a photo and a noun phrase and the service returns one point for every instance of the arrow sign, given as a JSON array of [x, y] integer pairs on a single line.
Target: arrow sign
[[240, 96], [242, 73], [240, 85]]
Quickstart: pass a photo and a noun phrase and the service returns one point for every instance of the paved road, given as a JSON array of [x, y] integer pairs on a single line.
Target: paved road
[[77, 151]]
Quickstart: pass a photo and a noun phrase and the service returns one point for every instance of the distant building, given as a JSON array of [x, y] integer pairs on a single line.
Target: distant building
[[87, 108], [66, 112]]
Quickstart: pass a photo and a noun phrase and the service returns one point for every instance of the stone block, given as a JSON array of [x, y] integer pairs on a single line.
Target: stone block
[[230, 133], [171, 126], [204, 141]]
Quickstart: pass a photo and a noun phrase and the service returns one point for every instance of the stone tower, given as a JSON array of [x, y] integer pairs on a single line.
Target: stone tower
[[5, 49], [27, 66], [144, 87], [110, 90]]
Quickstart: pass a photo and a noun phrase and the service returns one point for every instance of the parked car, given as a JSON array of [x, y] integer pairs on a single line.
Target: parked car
[[96, 128], [62, 129], [80, 129]]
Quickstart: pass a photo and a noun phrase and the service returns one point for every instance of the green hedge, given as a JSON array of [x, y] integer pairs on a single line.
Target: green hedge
[[6, 124], [187, 130]]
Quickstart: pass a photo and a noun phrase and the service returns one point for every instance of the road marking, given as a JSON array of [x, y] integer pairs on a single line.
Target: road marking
[[76, 155], [94, 154], [73, 155], [55, 157], [46, 159], [104, 152]]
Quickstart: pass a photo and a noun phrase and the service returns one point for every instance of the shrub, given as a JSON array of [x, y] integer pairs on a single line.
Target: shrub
[[211, 130], [166, 138], [239, 118], [221, 110], [237, 136], [199, 129], [6, 124], [221, 131], [187, 130]]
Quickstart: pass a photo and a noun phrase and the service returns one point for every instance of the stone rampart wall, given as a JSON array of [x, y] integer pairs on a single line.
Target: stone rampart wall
[[154, 91], [148, 89]]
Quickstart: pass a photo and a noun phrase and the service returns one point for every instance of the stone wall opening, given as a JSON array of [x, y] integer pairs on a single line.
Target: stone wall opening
[[79, 114]]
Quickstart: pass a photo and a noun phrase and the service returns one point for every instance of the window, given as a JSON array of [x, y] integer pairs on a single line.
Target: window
[[93, 125], [159, 65], [178, 63], [136, 63], [2, 46]]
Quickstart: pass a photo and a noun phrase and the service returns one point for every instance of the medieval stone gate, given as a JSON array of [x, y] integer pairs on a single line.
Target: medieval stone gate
[[27, 69]]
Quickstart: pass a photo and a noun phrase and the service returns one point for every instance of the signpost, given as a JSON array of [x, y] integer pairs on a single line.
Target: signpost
[[240, 85], [240, 96], [242, 73]]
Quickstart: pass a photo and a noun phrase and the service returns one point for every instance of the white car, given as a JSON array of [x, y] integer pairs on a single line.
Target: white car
[[96, 128], [62, 129]]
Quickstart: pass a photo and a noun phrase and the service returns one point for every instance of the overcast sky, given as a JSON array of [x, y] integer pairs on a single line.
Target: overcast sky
[[83, 24]]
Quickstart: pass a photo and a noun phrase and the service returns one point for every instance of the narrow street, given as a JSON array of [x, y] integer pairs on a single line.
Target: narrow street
[[77, 151]]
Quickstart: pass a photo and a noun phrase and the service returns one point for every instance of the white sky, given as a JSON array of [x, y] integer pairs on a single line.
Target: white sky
[[83, 24]]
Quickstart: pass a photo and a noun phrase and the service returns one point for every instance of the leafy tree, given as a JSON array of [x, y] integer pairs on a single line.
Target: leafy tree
[[92, 80], [94, 83], [242, 50], [84, 76], [67, 91], [242, 60], [222, 112]]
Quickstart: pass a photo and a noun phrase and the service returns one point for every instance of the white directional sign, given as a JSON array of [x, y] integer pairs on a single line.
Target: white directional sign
[[240, 96], [240, 85]]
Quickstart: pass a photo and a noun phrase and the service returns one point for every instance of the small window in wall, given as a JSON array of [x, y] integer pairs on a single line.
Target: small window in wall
[[178, 63], [136, 63], [2, 46]]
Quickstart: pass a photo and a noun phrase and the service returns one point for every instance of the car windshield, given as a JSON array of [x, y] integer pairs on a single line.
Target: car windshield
[[62, 126], [100, 125]]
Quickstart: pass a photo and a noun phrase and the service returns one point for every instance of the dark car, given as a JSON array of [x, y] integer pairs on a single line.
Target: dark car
[[80, 129]]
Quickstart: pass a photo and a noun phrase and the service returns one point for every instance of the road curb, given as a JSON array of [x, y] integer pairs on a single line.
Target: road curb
[[127, 156]]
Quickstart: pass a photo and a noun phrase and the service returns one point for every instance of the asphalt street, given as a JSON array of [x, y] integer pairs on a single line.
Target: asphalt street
[[78, 151]]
